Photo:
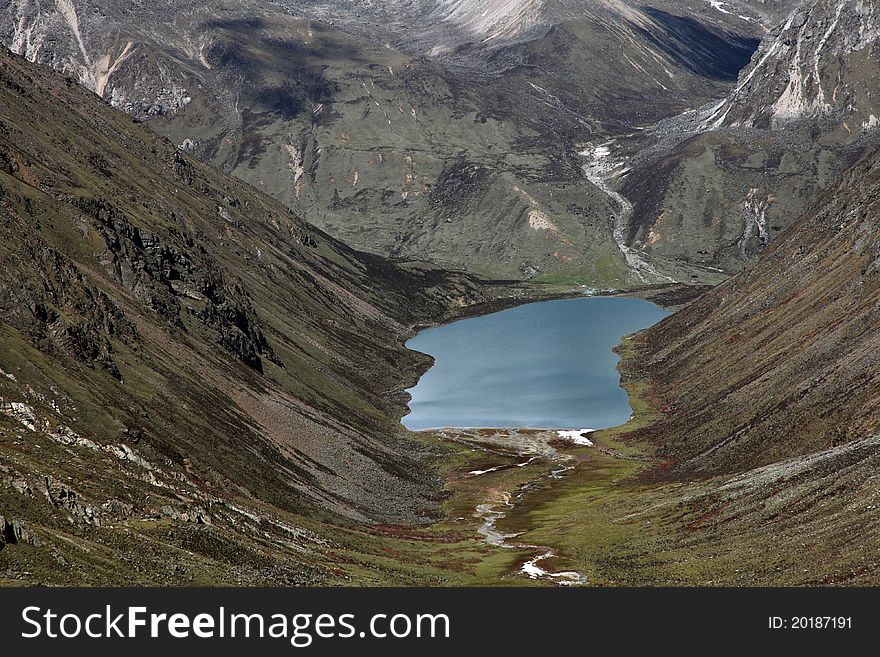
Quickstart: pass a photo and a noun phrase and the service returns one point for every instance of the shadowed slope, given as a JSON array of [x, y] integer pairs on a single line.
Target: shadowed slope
[[177, 305]]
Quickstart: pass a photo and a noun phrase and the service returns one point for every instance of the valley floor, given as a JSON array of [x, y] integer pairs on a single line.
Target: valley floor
[[521, 508], [600, 515]]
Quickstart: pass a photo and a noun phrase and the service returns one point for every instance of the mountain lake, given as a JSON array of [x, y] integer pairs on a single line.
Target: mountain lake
[[547, 365]]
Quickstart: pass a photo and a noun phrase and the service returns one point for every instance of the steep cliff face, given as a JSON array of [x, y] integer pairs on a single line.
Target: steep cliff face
[[783, 359], [820, 64], [717, 185], [162, 313], [359, 115]]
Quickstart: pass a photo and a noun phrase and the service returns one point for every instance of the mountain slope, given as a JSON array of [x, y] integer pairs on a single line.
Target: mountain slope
[[818, 64], [437, 130], [752, 456], [715, 186], [782, 360], [176, 344]]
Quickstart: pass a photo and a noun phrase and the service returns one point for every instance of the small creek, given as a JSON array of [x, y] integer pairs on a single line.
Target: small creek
[[548, 366]]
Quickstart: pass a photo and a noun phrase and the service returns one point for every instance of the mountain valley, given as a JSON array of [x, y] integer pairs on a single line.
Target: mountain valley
[[222, 222]]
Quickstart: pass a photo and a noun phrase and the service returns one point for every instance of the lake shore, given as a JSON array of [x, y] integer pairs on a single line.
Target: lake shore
[[671, 297], [503, 477], [484, 468]]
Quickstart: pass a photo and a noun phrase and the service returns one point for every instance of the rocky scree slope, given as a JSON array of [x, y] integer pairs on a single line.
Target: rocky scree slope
[[179, 348], [767, 391]]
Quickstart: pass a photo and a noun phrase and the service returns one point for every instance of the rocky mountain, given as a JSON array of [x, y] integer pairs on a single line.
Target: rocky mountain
[[716, 185], [434, 129], [180, 348], [822, 59]]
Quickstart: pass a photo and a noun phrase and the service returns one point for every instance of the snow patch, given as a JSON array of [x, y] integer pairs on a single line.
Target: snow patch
[[578, 436], [477, 473], [564, 578], [720, 6]]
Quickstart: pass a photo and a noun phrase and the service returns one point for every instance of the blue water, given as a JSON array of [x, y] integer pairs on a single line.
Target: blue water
[[544, 365]]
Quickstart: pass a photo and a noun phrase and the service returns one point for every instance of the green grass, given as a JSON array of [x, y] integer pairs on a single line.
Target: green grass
[[606, 269]]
